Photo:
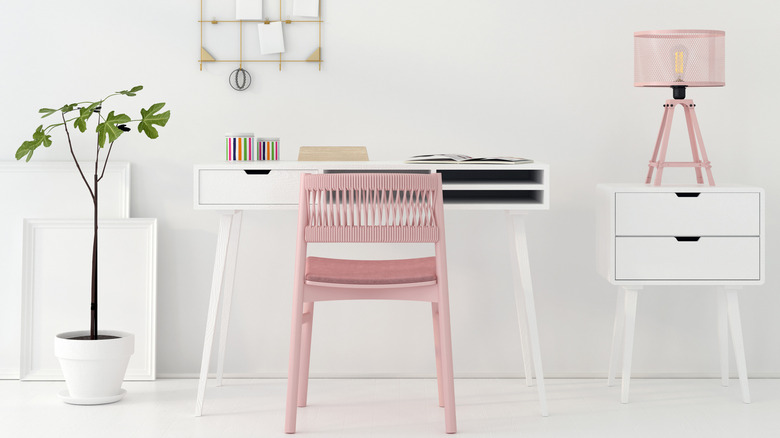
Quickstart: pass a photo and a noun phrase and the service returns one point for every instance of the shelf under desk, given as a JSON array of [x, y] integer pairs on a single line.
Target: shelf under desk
[[271, 184]]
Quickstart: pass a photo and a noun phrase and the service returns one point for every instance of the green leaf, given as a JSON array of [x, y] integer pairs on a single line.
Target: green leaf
[[84, 114], [47, 112], [67, 108], [149, 118], [132, 91], [28, 147], [108, 128]]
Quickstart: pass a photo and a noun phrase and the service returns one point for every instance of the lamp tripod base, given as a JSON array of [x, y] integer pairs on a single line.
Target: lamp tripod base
[[694, 135]]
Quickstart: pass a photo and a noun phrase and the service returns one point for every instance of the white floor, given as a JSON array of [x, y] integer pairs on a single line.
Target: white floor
[[394, 408]]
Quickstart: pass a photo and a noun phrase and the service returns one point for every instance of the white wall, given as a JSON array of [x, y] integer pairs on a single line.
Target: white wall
[[547, 80]]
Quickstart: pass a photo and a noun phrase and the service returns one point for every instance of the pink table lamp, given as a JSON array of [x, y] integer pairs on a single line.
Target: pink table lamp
[[679, 59]]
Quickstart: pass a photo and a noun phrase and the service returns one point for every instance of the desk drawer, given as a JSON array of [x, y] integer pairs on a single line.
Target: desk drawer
[[666, 258], [687, 214], [260, 187]]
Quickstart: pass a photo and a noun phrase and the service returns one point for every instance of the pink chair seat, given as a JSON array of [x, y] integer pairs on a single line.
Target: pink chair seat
[[369, 272]]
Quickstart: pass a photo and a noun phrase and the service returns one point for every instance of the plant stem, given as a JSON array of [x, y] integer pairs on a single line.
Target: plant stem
[[93, 326], [70, 144], [105, 162]]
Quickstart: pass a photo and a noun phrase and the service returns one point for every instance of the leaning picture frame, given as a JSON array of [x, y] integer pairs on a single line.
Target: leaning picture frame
[[55, 288]]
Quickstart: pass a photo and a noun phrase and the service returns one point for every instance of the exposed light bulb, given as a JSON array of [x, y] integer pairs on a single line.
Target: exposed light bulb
[[680, 57]]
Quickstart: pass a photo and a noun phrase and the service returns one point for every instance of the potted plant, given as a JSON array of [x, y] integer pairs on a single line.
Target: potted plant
[[94, 362]]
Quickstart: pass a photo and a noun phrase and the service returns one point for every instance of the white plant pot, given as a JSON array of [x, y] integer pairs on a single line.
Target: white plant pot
[[93, 369]]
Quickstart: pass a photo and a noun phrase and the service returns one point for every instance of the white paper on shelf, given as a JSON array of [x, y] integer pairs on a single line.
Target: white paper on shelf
[[306, 8], [271, 38], [249, 9]]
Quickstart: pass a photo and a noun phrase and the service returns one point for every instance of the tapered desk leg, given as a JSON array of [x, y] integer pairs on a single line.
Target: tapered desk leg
[[522, 321], [230, 275], [223, 238], [628, 341], [735, 324], [723, 336], [524, 299], [617, 336]]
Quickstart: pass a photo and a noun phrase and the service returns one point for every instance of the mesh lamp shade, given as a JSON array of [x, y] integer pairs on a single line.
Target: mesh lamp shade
[[685, 58]]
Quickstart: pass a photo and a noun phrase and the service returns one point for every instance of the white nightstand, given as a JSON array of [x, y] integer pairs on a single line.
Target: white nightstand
[[680, 235]]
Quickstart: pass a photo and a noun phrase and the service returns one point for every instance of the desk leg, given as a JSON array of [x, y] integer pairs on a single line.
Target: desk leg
[[735, 324], [230, 275], [723, 336], [223, 239], [617, 336], [628, 340], [526, 309]]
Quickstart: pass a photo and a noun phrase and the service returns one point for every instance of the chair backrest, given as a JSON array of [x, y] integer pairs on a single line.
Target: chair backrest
[[371, 207]]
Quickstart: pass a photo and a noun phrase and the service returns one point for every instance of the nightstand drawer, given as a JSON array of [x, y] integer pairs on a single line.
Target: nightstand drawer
[[687, 214], [704, 258], [235, 187]]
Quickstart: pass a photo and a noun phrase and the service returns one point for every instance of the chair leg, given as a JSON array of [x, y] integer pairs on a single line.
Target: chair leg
[[293, 368], [736, 339], [303, 376], [617, 336], [628, 341], [437, 349], [723, 336], [448, 386]]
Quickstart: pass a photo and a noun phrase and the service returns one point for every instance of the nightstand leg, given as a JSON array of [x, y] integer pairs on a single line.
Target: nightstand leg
[[628, 341], [230, 275], [617, 336], [736, 339], [723, 336], [524, 299]]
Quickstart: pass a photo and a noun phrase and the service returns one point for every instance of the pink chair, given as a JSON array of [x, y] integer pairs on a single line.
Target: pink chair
[[369, 208]]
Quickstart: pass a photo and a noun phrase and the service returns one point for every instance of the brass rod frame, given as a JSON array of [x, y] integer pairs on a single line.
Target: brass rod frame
[[280, 17], [201, 36], [241, 59]]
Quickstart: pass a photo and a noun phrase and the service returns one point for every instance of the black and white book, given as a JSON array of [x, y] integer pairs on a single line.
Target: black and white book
[[460, 158]]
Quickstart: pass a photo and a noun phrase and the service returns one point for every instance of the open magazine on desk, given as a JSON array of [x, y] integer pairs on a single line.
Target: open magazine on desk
[[460, 158]]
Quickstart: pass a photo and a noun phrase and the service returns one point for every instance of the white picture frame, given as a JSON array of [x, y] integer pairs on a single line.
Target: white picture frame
[[44, 189], [56, 289]]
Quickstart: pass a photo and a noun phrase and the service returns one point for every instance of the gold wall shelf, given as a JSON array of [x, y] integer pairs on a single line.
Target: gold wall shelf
[[207, 57]]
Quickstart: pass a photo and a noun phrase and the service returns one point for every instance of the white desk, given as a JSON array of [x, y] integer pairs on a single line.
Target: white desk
[[268, 185], [680, 235]]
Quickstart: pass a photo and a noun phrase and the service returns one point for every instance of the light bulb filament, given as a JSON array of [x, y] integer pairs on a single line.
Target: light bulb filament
[[678, 62]]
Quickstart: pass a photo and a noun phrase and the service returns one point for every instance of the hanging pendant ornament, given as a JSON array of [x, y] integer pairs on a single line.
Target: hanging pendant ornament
[[240, 79]]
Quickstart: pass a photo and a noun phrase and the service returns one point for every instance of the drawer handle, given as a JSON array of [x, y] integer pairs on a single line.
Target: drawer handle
[[257, 171], [687, 194], [687, 238]]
